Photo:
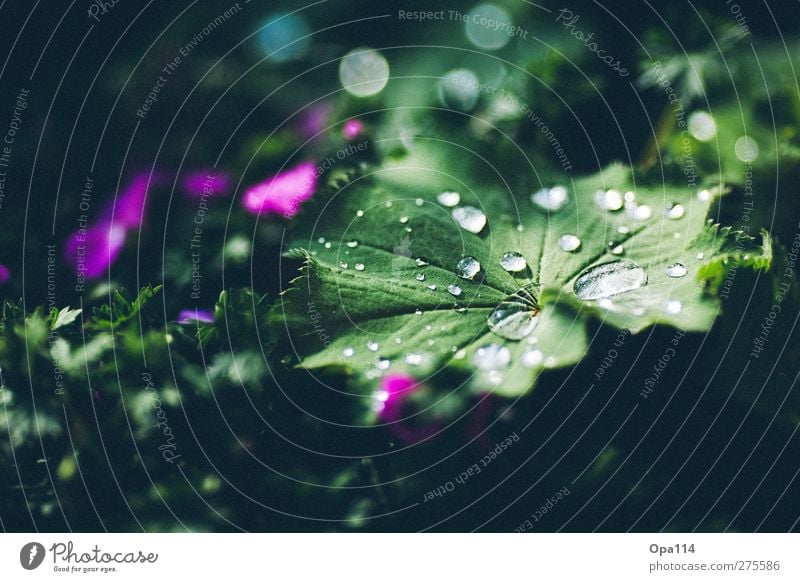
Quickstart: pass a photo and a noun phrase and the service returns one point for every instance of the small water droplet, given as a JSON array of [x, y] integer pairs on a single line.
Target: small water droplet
[[491, 357], [639, 212], [348, 352], [623, 230], [551, 199], [609, 199], [432, 287], [403, 219], [328, 245], [359, 213], [617, 249], [609, 279], [449, 199], [468, 267], [532, 358], [421, 263], [673, 307], [676, 270], [359, 266], [383, 364], [420, 276], [516, 316], [418, 312], [513, 262], [419, 202], [469, 218], [342, 264], [520, 228], [321, 240], [704, 195], [407, 229], [373, 346], [352, 244], [398, 340], [454, 290], [674, 211], [414, 359], [630, 197], [569, 243], [388, 204], [701, 256]]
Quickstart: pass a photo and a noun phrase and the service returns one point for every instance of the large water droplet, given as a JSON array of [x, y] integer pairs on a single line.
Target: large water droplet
[[513, 262], [491, 357], [609, 199], [454, 290], [609, 279], [449, 199], [470, 218], [569, 243], [468, 267], [363, 72], [550, 199], [516, 316], [532, 357], [676, 270], [674, 211], [460, 90]]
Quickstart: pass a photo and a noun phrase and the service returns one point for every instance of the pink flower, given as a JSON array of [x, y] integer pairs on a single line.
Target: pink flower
[[91, 251], [282, 193], [128, 207], [352, 129], [195, 315], [390, 398], [210, 182]]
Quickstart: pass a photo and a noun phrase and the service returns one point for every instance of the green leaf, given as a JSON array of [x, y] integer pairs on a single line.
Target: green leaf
[[335, 310], [120, 310], [62, 317]]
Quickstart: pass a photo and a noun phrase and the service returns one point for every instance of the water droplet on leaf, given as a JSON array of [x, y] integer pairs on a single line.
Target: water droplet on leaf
[[516, 316], [676, 270], [491, 357], [449, 199], [468, 267], [513, 262], [550, 199], [469, 218], [569, 243], [609, 279]]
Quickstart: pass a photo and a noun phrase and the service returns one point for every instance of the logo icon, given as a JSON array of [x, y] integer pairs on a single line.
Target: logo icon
[[31, 555]]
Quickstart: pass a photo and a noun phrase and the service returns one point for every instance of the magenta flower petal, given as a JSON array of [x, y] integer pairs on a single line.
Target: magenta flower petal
[[194, 315], [210, 182], [315, 120], [128, 207], [5, 274], [394, 389], [352, 129], [284, 192], [93, 250]]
